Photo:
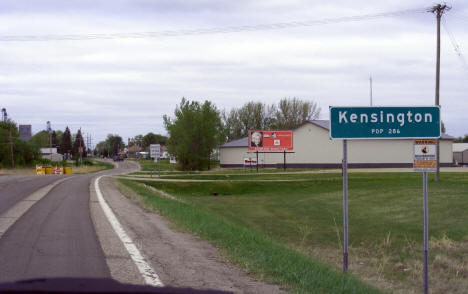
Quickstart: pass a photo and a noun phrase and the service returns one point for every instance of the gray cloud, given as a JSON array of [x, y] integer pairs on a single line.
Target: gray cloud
[[125, 86]]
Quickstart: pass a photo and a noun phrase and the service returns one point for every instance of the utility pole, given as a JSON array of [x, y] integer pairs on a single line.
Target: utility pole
[[370, 80], [438, 9], [5, 120], [11, 151]]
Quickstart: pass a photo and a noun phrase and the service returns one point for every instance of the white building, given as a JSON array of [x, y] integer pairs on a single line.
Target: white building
[[460, 153], [51, 153], [314, 149]]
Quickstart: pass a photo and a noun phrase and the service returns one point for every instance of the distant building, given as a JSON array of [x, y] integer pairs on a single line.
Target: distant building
[[25, 132], [51, 153], [460, 153], [314, 149]]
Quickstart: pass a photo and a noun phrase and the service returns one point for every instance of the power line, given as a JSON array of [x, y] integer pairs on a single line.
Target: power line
[[207, 31], [455, 45]]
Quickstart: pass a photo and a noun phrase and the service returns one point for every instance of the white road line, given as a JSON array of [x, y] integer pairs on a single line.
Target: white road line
[[149, 275]]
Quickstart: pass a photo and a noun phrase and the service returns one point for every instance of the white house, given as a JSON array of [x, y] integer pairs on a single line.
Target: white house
[[51, 153]]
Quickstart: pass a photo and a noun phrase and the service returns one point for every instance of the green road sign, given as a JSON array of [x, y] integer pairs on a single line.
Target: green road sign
[[384, 122]]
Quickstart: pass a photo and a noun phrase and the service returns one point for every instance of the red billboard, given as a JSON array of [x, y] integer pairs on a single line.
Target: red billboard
[[270, 140]]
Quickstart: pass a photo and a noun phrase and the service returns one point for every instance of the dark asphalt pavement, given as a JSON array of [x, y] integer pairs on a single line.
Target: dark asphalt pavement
[[16, 188], [56, 236]]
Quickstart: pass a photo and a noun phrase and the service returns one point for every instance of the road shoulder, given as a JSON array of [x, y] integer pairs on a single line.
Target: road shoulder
[[118, 260], [180, 259]]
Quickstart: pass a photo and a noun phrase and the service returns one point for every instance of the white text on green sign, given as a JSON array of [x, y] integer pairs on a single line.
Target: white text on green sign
[[384, 122]]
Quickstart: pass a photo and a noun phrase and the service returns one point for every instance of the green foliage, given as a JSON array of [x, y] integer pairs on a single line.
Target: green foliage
[[251, 116], [54, 139], [194, 133], [288, 114], [88, 162], [66, 143], [41, 139], [42, 161], [79, 142], [110, 146], [137, 140], [462, 139], [24, 153], [151, 138]]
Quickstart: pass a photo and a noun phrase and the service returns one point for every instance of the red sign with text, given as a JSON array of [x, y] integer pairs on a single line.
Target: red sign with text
[[270, 140]]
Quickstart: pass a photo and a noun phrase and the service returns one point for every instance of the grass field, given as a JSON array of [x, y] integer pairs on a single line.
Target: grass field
[[148, 165], [385, 216], [97, 166]]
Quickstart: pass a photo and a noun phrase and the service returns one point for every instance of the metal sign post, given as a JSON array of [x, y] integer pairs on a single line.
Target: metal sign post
[[426, 234], [345, 206], [257, 160], [155, 153], [284, 160], [425, 160]]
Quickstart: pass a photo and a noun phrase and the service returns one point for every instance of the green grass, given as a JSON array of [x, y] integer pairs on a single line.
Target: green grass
[[378, 204], [104, 165], [225, 172], [385, 219], [246, 177], [256, 252], [148, 165]]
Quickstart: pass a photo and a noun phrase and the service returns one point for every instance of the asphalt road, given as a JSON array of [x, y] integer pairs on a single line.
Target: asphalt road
[[56, 227], [55, 237], [16, 188]]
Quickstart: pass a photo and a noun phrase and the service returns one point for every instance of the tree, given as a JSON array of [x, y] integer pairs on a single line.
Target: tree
[[251, 116], [54, 140], [292, 113], [137, 140], [151, 138], [114, 144], [24, 153], [462, 139], [102, 149], [111, 146], [289, 114], [59, 135], [194, 133], [41, 139], [66, 143], [77, 144]]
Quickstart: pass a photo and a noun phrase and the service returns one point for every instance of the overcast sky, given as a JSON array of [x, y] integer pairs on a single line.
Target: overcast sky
[[126, 85]]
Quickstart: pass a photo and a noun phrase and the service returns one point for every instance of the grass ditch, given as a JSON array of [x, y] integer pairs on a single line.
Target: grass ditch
[[385, 211], [255, 252]]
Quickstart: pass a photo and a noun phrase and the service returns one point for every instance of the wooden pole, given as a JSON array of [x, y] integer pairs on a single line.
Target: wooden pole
[[439, 9]]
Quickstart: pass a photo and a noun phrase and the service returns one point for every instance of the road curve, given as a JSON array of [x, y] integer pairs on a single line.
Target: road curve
[[56, 236]]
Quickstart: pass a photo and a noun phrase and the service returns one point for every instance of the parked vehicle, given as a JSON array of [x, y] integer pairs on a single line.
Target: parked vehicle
[[118, 158]]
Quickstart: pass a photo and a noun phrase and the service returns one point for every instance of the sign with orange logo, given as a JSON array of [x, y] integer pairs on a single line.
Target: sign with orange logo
[[425, 155]]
